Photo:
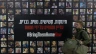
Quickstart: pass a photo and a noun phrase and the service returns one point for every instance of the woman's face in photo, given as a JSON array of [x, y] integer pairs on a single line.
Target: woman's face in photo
[[31, 50], [53, 43]]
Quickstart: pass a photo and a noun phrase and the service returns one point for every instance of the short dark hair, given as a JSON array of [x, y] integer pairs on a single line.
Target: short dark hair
[[81, 23]]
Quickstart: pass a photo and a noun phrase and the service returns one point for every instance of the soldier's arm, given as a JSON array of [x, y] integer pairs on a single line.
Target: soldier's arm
[[86, 38]]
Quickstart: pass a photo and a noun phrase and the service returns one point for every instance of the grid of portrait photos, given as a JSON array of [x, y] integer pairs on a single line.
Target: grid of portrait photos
[[84, 10]]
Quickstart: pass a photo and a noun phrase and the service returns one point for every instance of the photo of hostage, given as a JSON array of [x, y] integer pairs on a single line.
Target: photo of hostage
[[79, 43]]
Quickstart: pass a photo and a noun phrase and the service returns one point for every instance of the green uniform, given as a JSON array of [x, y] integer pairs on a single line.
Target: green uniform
[[85, 37]]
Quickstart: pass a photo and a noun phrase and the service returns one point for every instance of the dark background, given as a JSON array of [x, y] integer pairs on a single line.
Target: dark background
[[20, 33]]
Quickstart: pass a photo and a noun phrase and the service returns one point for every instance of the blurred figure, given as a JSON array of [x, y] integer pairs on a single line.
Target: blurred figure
[[25, 44], [3, 50], [10, 37], [3, 38], [10, 50], [54, 43], [39, 43], [54, 12], [25, 50], [32, 44], [61, 12], [54, 5], [32, 50], [17, 44], [39, 11], [18, 50]]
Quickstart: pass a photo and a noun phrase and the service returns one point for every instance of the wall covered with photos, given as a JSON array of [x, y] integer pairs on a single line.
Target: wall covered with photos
[[84, 10]]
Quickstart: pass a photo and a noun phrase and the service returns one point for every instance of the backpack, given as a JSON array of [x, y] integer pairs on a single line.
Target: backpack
[[82, 36], [69, 46]]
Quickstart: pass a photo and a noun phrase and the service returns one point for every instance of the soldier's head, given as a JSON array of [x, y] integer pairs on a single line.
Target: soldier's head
[[79, 24]]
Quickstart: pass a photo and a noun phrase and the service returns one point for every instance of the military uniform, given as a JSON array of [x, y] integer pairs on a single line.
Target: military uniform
[[84, 37]]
